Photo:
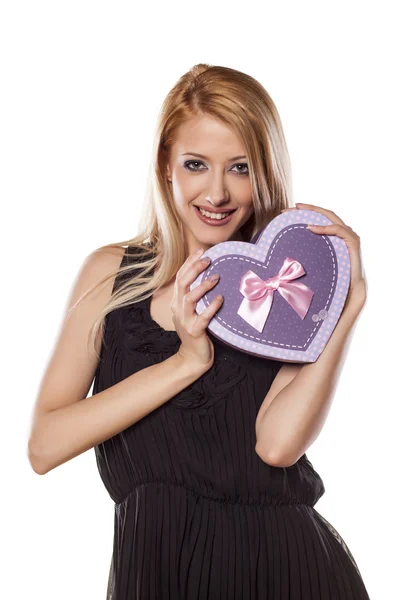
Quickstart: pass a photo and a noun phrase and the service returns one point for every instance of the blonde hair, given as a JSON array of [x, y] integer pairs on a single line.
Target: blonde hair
[[240, 102]]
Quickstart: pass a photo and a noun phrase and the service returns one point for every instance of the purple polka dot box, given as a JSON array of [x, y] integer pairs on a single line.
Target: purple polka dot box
[[284, 291]]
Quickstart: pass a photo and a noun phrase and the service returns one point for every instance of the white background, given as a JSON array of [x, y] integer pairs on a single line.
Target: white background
[[81, 85]]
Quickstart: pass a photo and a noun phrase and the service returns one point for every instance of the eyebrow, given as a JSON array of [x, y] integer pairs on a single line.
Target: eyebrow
[[205, 157]]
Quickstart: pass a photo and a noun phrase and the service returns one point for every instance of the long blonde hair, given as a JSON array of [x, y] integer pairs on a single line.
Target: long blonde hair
[[240, 102]]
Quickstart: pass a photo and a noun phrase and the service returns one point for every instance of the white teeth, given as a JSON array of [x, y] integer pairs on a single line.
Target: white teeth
[[217, 216]]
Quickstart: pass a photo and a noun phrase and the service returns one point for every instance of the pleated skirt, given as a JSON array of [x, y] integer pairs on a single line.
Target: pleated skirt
[[173, 543]]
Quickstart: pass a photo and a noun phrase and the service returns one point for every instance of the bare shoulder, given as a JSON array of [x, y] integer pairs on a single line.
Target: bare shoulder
[[93, 281], [96, 267], [109, 251], [105, 258]]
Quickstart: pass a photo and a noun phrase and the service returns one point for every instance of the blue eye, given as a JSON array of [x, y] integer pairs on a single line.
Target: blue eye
[[199, 162]]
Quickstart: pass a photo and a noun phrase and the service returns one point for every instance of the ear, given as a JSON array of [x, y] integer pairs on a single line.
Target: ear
[[168, 171]]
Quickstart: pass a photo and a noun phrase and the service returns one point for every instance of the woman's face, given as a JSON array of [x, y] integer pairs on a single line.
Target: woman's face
[[217, 181]]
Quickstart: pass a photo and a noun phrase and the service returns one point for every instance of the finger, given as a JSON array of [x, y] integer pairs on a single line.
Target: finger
[[201, 321], [324, 211], [336, 229], [183, 275], [191, 259], [184, 280], [193, 296]]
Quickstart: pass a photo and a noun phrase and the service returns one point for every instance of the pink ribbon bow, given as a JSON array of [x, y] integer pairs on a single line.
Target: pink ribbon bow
[[259, 294]]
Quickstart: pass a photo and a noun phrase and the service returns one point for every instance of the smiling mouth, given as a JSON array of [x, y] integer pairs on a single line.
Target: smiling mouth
[[217, 215], [218, 219]]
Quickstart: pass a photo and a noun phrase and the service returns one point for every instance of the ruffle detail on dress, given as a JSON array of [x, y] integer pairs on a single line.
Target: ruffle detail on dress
[[211, 387], [143, 335], [146, 340]]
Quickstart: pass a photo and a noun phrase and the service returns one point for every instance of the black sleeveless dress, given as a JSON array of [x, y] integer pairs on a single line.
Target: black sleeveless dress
[[198, 514]]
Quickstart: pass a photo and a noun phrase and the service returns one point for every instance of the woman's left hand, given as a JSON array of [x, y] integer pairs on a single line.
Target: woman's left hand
[[358, 283]]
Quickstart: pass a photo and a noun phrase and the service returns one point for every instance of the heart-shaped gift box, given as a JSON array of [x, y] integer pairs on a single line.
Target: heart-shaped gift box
[[284, 291]]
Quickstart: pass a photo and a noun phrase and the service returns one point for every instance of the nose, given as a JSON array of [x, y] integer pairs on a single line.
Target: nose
[[217, 194]]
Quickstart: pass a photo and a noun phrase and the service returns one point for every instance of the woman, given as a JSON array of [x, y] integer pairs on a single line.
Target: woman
[[188, 432]]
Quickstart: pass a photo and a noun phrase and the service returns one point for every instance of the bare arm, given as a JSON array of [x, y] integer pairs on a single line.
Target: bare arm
[[65, 421], [294, 417], [66, 432]]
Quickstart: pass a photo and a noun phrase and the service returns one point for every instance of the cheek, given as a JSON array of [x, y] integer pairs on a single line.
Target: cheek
[[185, 189], [247, 201], [247, 210], [243, 192]]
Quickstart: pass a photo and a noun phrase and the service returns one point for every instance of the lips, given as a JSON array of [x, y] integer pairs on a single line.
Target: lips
[[215, 222], [216, 211]]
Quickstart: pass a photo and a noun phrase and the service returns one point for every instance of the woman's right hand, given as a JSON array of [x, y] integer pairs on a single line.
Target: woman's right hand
[[196, 348]]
